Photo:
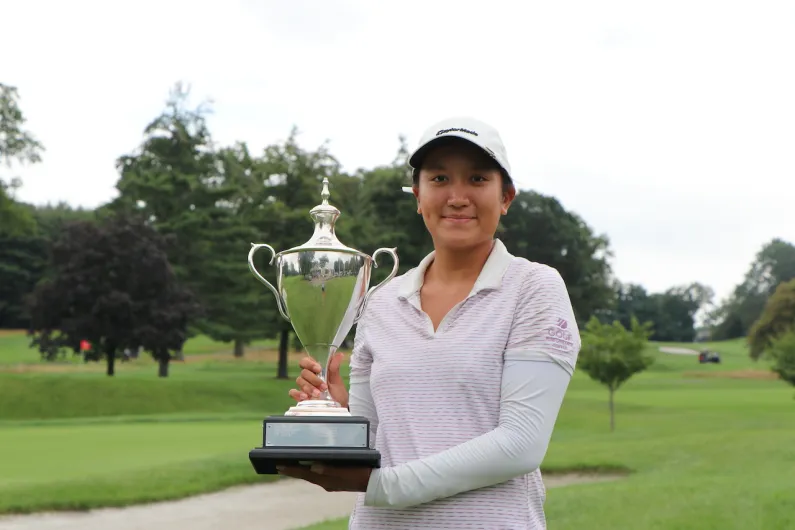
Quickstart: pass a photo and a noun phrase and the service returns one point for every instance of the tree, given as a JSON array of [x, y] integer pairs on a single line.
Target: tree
[[672, 312], [17, 145], [15, 219], [611, 355], [773, 265], [52, 218], [112, 285], [782, 352], [675, 311], [23, 261], [631, 300], [777, 318], [237, 311], [538, 228], [24, 258], [387, 216], [292, 177], [203, 196]]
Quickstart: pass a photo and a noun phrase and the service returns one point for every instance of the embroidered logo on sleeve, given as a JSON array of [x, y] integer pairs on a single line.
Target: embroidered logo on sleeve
[[559, 336]]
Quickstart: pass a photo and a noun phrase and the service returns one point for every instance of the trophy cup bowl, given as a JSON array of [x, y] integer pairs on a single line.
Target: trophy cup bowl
[[322, 290]]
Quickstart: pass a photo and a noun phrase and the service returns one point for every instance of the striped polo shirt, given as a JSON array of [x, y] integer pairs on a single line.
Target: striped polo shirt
[[433, 390]]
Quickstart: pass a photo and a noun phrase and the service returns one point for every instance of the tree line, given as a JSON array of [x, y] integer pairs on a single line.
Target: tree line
[[166, 258]]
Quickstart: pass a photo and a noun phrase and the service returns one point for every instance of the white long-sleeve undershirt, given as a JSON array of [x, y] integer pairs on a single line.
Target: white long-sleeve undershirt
[[532, 391]]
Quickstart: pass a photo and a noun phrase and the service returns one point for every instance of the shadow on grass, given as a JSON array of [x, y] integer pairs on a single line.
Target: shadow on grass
[[586, 469]]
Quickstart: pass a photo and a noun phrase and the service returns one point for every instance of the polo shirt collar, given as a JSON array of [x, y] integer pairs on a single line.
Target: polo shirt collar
[[490, 276]]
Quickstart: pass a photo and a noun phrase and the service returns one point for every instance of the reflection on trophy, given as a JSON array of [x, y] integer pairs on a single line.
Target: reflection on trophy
[[322, 290]]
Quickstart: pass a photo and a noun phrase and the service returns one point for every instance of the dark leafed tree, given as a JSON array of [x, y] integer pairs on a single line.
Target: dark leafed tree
[[538, 228], [111, 284]]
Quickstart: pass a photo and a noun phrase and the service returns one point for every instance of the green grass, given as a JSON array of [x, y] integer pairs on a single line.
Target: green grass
[[709, 446], [339, 524], [76, 439], [706, 452], [14, 348], [89, 451]]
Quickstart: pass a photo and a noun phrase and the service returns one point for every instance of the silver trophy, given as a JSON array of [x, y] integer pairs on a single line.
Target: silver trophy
[[322, 290]]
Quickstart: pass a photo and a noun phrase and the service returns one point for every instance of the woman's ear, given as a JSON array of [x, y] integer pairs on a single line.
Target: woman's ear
[[507, 198], [416, 191]]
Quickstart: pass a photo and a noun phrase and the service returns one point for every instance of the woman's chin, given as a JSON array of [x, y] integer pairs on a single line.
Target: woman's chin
[[458, 239]]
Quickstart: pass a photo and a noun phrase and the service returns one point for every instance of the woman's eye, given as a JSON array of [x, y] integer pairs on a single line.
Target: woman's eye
[[479, 178], [439, 178]]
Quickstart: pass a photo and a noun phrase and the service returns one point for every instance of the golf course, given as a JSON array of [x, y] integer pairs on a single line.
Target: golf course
[[701, 447]]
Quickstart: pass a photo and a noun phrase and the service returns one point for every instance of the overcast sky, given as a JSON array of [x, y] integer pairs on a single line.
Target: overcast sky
[[669, 126]]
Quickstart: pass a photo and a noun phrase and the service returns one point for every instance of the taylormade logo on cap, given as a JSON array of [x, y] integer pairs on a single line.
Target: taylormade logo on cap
[[459, 129], [479, 133]]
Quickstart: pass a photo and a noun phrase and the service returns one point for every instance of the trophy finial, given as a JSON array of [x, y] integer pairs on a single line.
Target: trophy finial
[[325, 193], [325, 216]]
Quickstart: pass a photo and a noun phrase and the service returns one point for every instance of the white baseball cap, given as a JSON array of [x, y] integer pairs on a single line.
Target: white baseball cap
[[475, 131]]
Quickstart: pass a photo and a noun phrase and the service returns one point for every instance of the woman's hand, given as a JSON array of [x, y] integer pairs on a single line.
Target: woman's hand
[[310, 385], [330, 478]]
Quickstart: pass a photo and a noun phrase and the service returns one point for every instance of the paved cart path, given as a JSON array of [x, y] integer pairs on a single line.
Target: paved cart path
[[284, 505]]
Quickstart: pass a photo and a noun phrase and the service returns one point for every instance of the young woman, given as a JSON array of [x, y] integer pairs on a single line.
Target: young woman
[[461, 364]]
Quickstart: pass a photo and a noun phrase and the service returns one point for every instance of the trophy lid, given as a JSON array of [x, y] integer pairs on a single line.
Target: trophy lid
[[324, 238]]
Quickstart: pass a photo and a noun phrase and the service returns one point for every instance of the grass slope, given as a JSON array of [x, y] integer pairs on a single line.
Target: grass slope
[[73, 438], [14, 349]]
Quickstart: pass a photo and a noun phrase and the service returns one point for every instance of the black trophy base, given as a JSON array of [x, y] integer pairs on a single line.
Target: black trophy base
[[305, 440]]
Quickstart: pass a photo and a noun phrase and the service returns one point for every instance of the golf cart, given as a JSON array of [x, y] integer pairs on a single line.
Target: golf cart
[[707, 356]]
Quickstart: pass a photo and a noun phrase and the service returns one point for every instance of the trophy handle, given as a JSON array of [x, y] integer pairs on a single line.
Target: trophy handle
[[254, 249], [391, 252]]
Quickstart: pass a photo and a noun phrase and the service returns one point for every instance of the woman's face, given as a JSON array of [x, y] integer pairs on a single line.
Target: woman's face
[[460, 195]]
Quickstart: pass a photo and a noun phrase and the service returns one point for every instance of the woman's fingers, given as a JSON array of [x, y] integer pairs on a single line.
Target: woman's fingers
[[334, 376], [308, 363], [297, 395], [312, 379], [310, 384]]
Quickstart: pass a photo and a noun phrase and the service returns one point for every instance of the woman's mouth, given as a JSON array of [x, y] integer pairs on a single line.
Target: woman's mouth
[[457, 219]]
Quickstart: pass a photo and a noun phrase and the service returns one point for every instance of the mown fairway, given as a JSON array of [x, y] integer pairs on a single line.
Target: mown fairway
[[709, 447]]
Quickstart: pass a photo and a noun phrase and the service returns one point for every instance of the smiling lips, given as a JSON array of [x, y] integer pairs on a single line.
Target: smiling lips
[[457, 218]]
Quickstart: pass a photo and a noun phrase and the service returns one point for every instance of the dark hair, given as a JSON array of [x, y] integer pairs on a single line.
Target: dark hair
[[507, 181]]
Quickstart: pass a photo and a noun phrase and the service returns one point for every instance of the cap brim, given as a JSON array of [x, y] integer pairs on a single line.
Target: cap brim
[[415, 161]]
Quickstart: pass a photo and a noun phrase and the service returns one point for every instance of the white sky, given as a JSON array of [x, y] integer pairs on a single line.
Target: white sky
[[670, 126]]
